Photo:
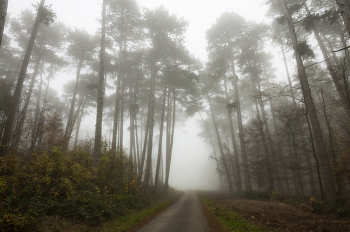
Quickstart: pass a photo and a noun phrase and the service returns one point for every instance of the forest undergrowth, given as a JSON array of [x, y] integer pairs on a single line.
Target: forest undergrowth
[[339, 207], [266, 212], [54, 188]]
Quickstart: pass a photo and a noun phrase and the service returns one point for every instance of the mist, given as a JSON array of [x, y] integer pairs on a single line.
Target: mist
[[241, 97]]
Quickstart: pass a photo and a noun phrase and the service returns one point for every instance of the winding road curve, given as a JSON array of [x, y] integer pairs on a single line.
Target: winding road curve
[[185, 215]]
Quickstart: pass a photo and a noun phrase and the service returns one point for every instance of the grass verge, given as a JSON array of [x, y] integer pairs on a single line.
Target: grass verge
[[230, 221], [135, 220]]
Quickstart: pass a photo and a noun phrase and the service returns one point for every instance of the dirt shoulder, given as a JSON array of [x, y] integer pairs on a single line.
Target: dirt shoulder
[[282, 217]]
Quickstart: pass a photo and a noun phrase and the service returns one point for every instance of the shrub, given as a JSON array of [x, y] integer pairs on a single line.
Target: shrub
[[56, 184]]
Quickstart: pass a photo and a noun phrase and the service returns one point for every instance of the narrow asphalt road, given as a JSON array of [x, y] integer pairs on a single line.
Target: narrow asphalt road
[[185, 215]]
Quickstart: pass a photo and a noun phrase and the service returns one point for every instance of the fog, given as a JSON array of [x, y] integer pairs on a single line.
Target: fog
[[234, 76], [191, 166]]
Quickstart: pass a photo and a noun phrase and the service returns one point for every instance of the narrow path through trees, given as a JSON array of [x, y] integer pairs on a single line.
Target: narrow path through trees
[[185, 215]]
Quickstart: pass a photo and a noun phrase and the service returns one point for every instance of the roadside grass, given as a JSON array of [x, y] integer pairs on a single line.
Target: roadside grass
[[130, 220], [230, 220]]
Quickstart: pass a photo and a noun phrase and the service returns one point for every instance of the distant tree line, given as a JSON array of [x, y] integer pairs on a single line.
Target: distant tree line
[[289, 137], [133, 72]]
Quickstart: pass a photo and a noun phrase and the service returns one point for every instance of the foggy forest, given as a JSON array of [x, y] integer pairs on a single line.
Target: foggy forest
[[270, 102]]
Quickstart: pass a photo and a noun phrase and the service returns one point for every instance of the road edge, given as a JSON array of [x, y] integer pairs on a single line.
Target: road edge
[[152, 216], [212, 220]]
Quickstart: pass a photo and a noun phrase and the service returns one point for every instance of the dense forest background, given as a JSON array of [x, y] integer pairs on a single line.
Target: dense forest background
[[284, 135]]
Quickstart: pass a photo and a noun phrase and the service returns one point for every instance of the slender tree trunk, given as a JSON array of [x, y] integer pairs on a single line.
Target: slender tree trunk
[[100, 93], [292, 161], [137, 143], [144, 146], [311, 175], [344, 9], [78, 111], [173, 124], [270, 144], [317, 132], [121, 123], [17, 94], [331, 48], [37, 120], [161, 178], [234, 144], [3, 8], [288, 75], [41, 118], [248, 185], [266, 149], [70, 123], [116, 115], [346, 51], [335, 78], [221, 149], [131, 134], [171, 141], [282, 171], [215, 155], [26, 104], [134, 125], [315, 156], [167, 145], [331, 146], [150, 129], [156, 179], [78, 125], [296, 157]]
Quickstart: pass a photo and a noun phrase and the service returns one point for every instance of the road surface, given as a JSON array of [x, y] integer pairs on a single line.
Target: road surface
[[185, 215]]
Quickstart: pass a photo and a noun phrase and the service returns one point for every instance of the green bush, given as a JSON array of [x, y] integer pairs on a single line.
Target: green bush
[[65, 185]]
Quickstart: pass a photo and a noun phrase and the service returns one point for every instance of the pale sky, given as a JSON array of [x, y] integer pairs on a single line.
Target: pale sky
[[190, 166]]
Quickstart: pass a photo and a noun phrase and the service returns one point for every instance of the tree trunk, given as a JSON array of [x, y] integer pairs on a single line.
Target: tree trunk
[[215, 155], [116, 115], [233, 140], [121, 125], [143, 155], [137, 143], [317, 132], [131, 134], [335, 78], [221, 148], [248, 185], [171, 141], [311, 175], [270, 144], [41, 119], [280, 156], [346, 51], [70, 124], [77, 113], [150, 127], [156, 179], [344, 9], [78, 125], [17, 94], [37, 127], [296, 158], [26, 104], [266, 149], [3, 8], [100, 93], [167, 145]]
